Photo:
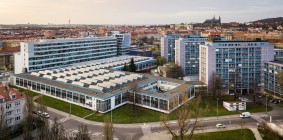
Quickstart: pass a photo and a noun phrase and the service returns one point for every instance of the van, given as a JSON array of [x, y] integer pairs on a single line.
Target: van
[[245, 115]]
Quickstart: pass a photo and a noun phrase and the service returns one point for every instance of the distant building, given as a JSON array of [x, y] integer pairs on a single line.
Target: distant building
[[187, 54], [271, 77], [213, 22], [243, 60], [168, 46], [12, 103], [123, 42]]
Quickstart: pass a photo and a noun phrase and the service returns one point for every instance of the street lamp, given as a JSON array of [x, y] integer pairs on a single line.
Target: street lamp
[[70, 109], [217, 106]]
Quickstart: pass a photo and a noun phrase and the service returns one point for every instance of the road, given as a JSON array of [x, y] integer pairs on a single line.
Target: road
[[136, 131]]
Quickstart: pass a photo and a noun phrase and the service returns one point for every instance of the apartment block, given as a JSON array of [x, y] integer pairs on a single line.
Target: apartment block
[[48, 54], [123, 42], [238, 63], [271, 77], [168, 46], [187, 54]]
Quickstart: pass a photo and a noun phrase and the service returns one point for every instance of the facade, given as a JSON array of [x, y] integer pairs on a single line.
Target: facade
[[168, 46], [97, 86], [234, 105], [12, 104], [187, 54], [123, 42], [238, 63], [48, 54], [7, 57], [278, 55], [271, 77]]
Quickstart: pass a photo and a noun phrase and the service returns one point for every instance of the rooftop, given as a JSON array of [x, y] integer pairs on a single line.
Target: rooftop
[[6, 93]]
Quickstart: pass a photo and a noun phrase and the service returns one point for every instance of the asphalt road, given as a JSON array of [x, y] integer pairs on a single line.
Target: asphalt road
[[138, 130]]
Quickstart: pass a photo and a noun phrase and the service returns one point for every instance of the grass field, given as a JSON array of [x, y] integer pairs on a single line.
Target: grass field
[[226, 135], [65, 106]]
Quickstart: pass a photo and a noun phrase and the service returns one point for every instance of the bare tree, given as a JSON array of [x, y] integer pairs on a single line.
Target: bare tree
[[82, 133], [188, 119], [108, 129], [216, 86], [57, 131], [28, 119], [131, 95], [4, 129], [202, 92]]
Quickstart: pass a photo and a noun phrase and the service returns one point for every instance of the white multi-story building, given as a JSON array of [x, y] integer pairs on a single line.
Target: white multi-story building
[[238, 63], [48, 54], [123, 42], [12, 104], [187, 54], [168, 46]]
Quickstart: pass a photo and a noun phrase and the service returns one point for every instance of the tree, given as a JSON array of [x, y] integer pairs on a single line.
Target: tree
[[188, 119], [160, 60], [4, 129], [125, 68], [216, 86], [202, 92], [28, 122], [132, 67], [174, 71], [281, 79], [131, 95], [82, 133], [57, 131], [108, 129]]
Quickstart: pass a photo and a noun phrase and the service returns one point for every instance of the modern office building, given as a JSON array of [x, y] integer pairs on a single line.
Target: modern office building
[[238, 63], [97, 86], [168, 46], [12, 103], [48, 54], [278, 55], [187, 54], [271, 77], [123, 42]]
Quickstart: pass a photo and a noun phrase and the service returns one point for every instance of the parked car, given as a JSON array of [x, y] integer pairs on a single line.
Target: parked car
[[45, 115], [259, 102], [220, 125], [245, 115]]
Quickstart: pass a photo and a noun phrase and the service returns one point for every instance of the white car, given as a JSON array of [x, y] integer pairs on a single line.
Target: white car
[[45, 114], [220, 125]]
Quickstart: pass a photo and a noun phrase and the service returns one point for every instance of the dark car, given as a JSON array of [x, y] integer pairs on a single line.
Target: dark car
[[259, 102]]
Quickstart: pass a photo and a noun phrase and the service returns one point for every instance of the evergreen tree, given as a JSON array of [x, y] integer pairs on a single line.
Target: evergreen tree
[[132, 67], [125, 68]]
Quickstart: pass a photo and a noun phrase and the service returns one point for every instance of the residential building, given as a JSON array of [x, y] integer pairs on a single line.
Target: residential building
[[278, 55], [187, 54], [238, 63], [12, 103], [123, 42], [234, 105], [98, 86], [7, 57], [271, 77], [48, 54], [168, 46]]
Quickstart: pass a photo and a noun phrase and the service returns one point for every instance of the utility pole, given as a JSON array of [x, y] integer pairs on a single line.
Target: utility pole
[[217, 106]]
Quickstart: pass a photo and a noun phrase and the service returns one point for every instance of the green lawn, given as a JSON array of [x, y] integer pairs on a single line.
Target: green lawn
[[268, 134], [27, 92], [125, 113], [226, 135], [65, 106]]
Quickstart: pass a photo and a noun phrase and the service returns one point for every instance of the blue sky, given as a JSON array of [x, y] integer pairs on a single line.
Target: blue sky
[[135, 11]]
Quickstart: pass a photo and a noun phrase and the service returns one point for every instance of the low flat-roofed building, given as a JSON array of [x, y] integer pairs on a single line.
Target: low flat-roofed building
[[97, 85]]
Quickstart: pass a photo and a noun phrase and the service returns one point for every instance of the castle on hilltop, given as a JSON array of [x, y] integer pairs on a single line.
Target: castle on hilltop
[[213, 22]]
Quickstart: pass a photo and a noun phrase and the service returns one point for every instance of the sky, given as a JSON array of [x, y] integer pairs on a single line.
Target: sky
[[135, 11]]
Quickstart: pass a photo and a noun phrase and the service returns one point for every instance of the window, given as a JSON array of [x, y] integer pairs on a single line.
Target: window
[[8, 106], [18, 111], [9, 121], [18, 118], [9, 113], [17, 103]]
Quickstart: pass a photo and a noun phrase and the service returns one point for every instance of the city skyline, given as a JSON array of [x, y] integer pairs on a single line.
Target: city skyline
[[135, 12]]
